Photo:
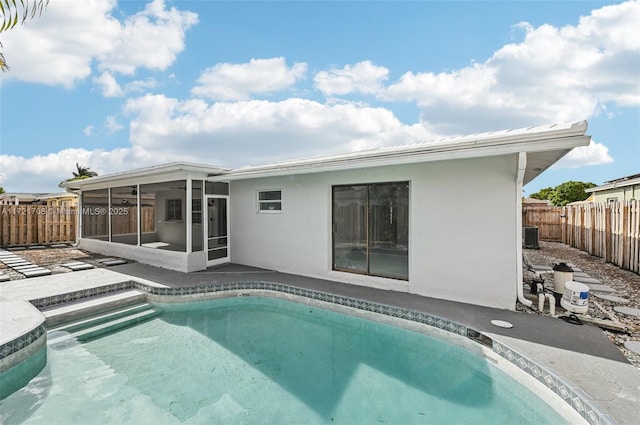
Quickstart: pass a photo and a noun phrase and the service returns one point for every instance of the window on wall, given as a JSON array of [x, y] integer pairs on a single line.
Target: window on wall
[[269, 201], [174, 210], [371, 229]]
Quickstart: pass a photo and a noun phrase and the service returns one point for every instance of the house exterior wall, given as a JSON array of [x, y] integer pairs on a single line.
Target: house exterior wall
[[63, 202], [462, 231]]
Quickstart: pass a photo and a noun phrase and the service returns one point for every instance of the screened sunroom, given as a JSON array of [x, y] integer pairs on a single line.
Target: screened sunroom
[[168, 216]]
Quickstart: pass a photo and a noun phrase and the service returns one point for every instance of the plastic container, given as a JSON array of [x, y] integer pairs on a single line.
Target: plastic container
[[562, 273], [575, 297]]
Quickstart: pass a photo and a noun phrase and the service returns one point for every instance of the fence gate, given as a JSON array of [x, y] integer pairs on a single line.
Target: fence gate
[[547, 219]]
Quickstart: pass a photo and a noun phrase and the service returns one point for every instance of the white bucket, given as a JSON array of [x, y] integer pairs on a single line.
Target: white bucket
[[575, 297]]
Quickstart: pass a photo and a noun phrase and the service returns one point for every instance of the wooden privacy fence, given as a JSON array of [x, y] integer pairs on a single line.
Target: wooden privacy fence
[[35, 225], [607, 230], [548, 220], [124, 220]]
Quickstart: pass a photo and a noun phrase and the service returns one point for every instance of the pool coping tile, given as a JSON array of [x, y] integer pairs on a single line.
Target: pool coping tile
[[568, 392]]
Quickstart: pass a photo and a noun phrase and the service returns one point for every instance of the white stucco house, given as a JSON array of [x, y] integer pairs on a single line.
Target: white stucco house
[[440, 219]]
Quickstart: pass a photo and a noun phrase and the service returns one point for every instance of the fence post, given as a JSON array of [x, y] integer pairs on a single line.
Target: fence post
[[607, 234], [625, 263]]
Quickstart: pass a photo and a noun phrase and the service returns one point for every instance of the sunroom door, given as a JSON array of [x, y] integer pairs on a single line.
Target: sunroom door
[[217, 230]]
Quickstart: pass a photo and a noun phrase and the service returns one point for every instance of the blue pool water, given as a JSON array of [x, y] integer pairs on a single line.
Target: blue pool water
[[253, 360]]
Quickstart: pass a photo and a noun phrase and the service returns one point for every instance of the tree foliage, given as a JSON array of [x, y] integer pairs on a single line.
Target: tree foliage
[[564, 193], [1, 190], [13, 12], [543, 194], [83, 172]]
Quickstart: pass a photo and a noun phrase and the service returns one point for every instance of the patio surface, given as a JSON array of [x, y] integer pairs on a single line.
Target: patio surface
[[581, 354]]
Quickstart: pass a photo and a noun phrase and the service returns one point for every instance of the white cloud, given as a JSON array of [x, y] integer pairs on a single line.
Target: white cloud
[[150, 39], [59, 47], [593, 154], [88, 130], [227, 81], [108, 85], [165, 129], [554, 75], [112, 124], [47, 171], [139, 86], [263, 131], [363, 77]]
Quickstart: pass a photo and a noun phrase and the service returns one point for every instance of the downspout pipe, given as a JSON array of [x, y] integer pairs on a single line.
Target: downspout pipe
[[522, 165]]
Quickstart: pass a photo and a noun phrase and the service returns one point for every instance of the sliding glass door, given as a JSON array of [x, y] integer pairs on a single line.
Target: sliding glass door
[[371, 229]]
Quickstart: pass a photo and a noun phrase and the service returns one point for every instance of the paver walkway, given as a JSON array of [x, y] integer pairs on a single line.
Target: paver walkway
[[19, 264]]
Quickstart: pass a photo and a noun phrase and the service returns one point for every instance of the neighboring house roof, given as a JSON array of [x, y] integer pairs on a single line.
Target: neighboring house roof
[[533, 201], [544, 146], [34, 196], [613, 184]]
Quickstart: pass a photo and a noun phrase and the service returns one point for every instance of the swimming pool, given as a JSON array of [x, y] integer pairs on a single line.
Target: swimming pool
[[262, 360]]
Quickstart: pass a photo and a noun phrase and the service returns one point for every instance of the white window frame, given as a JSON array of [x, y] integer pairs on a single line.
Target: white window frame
[[260, 202], [166, 213]]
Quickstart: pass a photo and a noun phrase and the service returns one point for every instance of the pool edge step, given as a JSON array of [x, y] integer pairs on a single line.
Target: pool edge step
[[72, 311], [116, 324], [101, 317]]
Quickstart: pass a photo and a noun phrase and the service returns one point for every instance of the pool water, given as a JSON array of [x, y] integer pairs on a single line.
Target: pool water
[[254, 360]]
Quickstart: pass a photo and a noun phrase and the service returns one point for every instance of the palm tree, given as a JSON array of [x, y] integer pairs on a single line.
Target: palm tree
[[83, 173], [12, 12]]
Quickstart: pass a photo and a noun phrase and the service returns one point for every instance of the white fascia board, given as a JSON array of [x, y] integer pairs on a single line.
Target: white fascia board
[[407, 156], [154, 174], [614, 185]]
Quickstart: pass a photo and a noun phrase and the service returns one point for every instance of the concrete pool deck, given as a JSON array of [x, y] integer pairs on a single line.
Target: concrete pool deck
[[581, 354]]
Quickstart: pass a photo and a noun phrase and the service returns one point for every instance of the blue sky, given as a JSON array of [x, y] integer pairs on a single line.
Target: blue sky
[[117, 85]]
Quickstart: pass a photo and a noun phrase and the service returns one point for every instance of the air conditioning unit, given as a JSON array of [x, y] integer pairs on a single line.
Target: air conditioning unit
[[530, 237]]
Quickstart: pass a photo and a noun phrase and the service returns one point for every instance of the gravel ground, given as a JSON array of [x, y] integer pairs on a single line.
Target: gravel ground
[[52, 258], [626, 284]]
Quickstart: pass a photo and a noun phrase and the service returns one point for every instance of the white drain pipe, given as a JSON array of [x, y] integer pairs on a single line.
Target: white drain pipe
[[522, 165], [552, 304]]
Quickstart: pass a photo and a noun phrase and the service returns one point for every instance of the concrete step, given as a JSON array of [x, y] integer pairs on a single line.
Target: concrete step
[[114, 325], [78, 265], [61, 313], [40, 271]]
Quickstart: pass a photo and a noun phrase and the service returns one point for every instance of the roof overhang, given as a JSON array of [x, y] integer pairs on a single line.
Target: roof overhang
[[147, 175], [544, 146]]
